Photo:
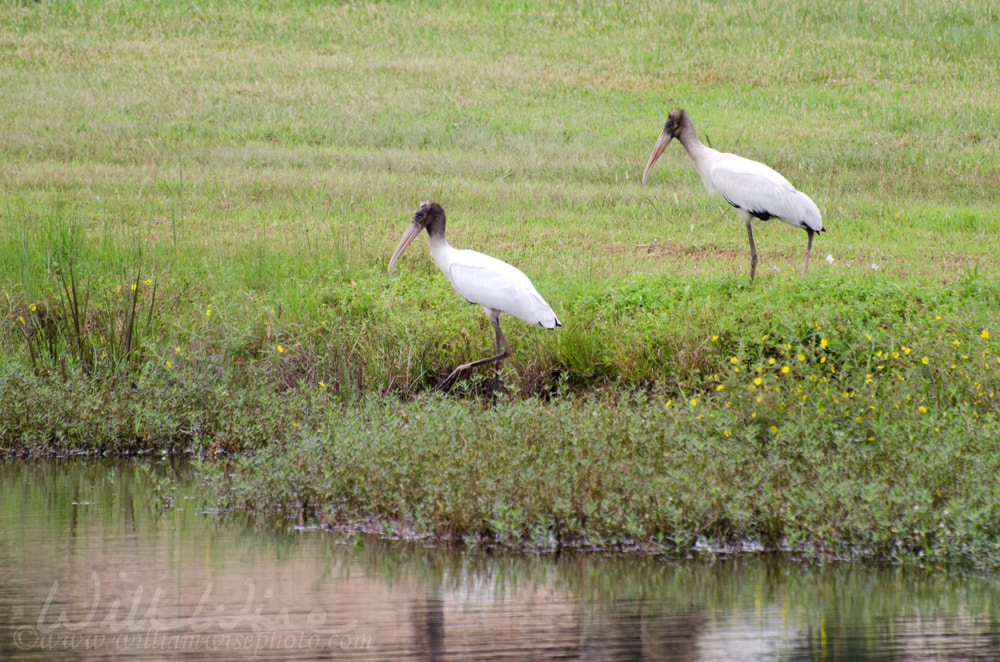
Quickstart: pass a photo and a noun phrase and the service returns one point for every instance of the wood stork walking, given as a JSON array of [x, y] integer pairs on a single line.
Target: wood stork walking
[[753, 189], [494, 285]]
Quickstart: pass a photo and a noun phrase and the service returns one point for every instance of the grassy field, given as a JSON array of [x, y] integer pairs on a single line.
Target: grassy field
[[199, 201]]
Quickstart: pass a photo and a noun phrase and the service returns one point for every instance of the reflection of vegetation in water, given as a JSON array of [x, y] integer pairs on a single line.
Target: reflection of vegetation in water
[[843, 610], [163, 485], [205, 272], [68, 489]]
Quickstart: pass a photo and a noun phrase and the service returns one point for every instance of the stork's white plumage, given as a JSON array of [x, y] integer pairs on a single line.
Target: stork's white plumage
[[494, 285], [752, 188]]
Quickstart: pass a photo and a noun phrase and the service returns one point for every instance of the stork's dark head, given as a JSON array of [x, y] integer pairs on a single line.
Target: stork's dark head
[[677, 122], [429, 216]]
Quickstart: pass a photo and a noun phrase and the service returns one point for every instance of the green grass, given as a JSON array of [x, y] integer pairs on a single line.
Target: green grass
[[632, 473], [198, 203]]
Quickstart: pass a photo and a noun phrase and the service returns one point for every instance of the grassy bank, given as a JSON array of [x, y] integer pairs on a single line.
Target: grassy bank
[[815, 437], [198, 205]]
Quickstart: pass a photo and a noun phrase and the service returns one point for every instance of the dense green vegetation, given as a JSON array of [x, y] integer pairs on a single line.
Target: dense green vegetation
[[199, 202]]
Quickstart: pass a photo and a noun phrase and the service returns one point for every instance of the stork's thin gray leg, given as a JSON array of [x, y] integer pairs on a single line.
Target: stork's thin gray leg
[[503, 351], [753, 248], [809, 246]]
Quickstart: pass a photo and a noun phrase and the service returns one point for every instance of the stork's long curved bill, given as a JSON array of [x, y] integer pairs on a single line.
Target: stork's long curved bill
[[661, 144], [412, 230]]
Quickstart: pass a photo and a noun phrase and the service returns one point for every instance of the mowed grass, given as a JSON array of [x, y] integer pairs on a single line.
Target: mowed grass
[[199, 203]]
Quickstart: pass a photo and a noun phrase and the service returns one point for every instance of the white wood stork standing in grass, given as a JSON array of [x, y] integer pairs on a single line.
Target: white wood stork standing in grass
[[753, 189], [494, 285]]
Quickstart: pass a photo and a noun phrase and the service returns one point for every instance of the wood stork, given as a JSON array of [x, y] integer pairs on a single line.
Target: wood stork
[[753, 189], [494, 285]]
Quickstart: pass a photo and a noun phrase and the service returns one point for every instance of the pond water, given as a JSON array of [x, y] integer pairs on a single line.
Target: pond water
[[110, 561]]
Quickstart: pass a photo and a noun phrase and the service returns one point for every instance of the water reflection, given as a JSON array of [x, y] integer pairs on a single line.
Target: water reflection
[[103, 561]]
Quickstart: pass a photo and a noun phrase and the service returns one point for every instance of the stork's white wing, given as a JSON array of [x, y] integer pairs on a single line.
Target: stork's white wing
[[761, 191], [496, 285]]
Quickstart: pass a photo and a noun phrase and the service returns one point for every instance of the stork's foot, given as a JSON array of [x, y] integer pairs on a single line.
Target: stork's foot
[[446, 385]]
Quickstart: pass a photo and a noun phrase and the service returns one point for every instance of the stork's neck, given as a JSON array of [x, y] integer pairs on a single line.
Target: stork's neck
[[700, 154], [440, 250]]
